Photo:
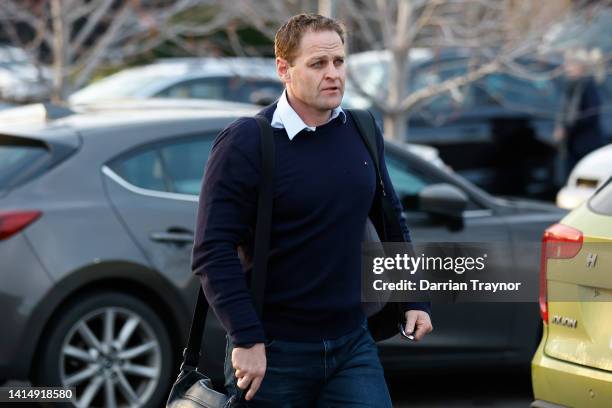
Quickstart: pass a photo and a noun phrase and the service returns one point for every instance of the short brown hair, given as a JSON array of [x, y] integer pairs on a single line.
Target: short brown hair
[[288, 37]]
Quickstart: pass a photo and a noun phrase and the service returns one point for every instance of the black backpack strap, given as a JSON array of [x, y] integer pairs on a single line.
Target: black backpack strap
[[366, 125], [191, 354], [367, 130]]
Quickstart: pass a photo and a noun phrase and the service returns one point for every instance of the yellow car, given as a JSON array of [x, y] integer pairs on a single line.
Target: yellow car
[[573, 364]]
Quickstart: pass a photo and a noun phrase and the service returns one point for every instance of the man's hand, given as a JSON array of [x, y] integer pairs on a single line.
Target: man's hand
[[418, 323], [250, 366]]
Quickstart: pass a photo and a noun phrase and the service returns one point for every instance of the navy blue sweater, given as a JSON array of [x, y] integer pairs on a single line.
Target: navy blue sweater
[[324, 185]]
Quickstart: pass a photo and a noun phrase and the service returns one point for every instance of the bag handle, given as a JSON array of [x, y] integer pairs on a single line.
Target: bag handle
[[191, 354]]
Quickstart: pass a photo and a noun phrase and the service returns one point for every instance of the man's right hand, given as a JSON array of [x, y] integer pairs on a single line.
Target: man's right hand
[[250, 366]]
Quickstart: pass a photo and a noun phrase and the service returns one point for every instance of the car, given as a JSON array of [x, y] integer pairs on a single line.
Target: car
[[572, 366], [97, 213], [588, 175], [21, 79], [246, 80], [482, 130]]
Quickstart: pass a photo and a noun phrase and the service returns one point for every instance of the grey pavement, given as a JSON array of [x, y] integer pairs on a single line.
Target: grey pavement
[[501, 388], [498, 388]]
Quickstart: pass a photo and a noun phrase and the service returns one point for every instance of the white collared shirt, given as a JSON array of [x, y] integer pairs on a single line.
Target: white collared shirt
[[285, 117]]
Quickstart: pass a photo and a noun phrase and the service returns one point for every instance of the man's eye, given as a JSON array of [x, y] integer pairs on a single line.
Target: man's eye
[[317, 64], [339, 62]]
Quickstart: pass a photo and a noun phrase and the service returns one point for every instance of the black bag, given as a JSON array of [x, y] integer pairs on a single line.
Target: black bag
[[193, 389], [383, 322]]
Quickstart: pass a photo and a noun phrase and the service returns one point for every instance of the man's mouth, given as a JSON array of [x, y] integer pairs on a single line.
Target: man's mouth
[[331, 88]]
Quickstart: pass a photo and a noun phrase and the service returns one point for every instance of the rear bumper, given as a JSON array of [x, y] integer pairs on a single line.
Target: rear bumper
[[558, 383]]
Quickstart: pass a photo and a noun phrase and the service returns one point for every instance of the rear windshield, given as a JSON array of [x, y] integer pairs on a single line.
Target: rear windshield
[[19, 160], [602, 201]]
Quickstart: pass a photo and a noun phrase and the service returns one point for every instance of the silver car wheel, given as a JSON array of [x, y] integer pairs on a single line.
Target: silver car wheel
[[113, 359]]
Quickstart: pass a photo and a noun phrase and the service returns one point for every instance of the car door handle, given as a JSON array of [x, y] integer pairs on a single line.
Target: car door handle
[[176, 237]]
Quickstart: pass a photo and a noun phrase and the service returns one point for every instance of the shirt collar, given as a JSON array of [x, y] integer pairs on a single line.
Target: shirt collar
[[285, 117]]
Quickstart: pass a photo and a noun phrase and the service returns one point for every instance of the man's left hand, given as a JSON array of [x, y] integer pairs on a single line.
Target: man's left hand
[[418, 323]]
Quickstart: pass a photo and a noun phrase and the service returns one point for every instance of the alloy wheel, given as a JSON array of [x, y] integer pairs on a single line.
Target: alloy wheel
[[113, 359]]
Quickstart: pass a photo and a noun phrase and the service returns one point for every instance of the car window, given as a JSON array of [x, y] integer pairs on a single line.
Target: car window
[[248, 90], [175, 166], [17, 160], [143, 170], [204, 88], [184, 163], [372, 76], [405, 180], [234, 89], [601, 202], [538, 96], [446, 105], [408, 182]]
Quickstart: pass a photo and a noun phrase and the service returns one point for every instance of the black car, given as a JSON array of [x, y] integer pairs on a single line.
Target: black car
[[497, 132], [97, 213]]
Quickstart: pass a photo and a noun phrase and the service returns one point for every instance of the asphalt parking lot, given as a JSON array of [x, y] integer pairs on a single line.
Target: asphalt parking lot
[[501, 388], [461, 389]]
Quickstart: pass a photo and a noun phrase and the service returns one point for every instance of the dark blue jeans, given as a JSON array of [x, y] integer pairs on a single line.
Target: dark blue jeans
[[343, 372]]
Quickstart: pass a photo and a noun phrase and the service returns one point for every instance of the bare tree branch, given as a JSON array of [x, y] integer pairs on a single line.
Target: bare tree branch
[[95, 55], [83, 35], [448, 85], [92, 22]]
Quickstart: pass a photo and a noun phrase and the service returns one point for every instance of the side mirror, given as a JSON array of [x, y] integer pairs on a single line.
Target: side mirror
[[444, 201]]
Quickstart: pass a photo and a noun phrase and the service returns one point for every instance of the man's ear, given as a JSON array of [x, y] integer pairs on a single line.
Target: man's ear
[[282, 69]]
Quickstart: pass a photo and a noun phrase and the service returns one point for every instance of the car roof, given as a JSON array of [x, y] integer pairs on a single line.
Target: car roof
[[177, 67], [376, 56], [148, 80], [597, 164], [39, 121]]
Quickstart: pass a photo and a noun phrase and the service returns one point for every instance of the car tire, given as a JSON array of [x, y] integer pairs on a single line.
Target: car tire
[[110, 347]]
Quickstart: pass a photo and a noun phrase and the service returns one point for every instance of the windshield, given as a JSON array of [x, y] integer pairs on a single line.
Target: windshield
[[591, 30], [538, 95], [601, 202]]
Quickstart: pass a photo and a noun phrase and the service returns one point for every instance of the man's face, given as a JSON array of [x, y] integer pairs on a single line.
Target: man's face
[[317, 73]]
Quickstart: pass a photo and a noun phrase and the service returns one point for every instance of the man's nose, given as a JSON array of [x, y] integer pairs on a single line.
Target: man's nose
[[333, 72]]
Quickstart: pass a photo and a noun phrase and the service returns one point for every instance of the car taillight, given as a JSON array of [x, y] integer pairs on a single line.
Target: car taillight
[[12, 222], [558, 242]]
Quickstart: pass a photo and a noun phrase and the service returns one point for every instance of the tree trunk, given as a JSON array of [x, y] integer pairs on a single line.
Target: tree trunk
[[395, 126], [397, 81], [58, 92], [327, 8], [395, 120]]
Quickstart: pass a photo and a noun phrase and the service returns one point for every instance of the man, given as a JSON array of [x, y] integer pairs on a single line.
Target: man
[[579, 130], [312, 347]]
